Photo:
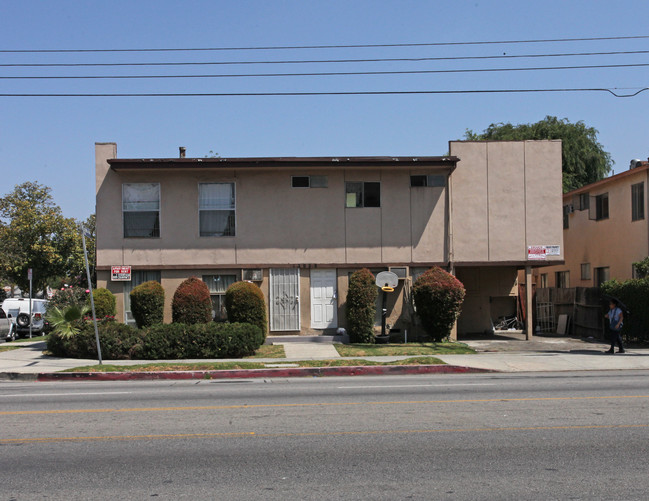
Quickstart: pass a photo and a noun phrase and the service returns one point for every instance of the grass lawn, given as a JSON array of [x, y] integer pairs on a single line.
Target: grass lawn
[[27, 340], [413, 349], [215, 366], [269, 351], [5, 347]]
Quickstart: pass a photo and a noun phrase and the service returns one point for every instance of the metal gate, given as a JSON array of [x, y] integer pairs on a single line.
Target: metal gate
[[284, 299]]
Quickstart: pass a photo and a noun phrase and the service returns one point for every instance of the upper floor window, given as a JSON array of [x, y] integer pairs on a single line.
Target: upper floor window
[[585, 271], [637, 201], [434, 181], [363, 194], [141, 209], [601, 206], [216, 209], [309, 181], [584, 201]]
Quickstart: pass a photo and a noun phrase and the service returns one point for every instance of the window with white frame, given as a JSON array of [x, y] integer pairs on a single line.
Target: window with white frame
[[141, 209], [562, 279], [218, 284], [216, 208], [585, 271]]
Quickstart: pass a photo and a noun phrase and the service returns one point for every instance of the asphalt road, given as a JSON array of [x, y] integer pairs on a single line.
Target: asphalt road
[[492, 436]]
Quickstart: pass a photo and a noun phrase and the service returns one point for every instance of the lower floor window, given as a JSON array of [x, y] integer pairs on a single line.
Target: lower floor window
[[218, 284]]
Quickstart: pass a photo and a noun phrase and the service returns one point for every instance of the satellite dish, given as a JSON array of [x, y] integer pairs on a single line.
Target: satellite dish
[[387, 279]]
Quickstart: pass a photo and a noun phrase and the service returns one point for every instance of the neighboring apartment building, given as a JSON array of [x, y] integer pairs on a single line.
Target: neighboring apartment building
[[299, 226], [605, 230]]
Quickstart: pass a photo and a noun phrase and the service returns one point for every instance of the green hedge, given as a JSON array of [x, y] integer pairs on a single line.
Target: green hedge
[[360, 309], [635, 295], [160, 342]]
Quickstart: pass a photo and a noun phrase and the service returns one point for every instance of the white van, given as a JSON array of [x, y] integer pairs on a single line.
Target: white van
[[17, 310]]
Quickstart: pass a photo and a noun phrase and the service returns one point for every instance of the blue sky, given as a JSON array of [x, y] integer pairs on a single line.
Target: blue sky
[[51, 139]]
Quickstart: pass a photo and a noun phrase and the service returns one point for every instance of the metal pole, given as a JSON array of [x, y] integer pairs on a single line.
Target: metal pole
[[92, 299], [31, 320]]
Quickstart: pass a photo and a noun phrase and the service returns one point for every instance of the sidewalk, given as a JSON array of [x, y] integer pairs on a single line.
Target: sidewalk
[[506, 353]]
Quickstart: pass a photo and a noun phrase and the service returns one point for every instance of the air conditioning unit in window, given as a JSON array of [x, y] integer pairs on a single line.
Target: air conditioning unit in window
[[254, 275], [400, 271]]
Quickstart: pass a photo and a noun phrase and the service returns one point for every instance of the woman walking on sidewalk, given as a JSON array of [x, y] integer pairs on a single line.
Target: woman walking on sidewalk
[[615, 319]]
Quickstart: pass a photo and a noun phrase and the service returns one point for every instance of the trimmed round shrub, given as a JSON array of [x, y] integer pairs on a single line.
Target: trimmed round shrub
[[438, 297], [244, 303], [191, 303], [147, 304], [361, 306], [105, 304]]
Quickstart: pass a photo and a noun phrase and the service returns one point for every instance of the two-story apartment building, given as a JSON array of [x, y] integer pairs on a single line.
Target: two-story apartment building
[[605, 231], [298, 227]]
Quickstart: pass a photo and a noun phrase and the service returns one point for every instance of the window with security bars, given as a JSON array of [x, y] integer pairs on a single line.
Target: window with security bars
[[218, 284], [141, 209], [637, 201], [216, 209]]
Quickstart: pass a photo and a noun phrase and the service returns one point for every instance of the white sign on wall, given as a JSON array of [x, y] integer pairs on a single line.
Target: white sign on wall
[[120, 273], [542, 251]]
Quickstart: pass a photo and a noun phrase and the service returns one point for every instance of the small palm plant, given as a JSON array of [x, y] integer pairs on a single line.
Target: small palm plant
[[65, 322]]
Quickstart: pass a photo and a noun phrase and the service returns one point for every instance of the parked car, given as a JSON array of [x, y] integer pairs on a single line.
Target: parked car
[[17, 312], [5, 324]]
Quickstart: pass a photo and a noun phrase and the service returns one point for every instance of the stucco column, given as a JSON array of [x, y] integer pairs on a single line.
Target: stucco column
[[529, 326]]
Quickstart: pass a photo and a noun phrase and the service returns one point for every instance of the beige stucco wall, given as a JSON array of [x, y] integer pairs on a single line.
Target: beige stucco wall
[[505, 197], [616, 242]]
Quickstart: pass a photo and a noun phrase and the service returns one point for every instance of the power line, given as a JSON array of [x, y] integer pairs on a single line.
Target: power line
[[332, 73], [342, 93], [349, 46], [319, 61]]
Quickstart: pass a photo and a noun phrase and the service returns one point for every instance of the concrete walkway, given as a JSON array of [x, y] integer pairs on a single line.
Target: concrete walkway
[[504, 354]]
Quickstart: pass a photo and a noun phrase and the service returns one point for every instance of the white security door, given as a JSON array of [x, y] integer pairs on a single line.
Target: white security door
[[284, 299], [324, 305]]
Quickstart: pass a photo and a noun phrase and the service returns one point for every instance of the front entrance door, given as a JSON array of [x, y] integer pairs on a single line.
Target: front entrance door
[[324, 305], [284, 299]]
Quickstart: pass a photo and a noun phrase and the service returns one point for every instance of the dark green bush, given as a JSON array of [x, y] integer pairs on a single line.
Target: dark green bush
[[361, 306], [105, 304], [117, 341], [438, 297], [635, 296], [211, 340], [147, 304], [244, 303], [160, 342], [191, 303]]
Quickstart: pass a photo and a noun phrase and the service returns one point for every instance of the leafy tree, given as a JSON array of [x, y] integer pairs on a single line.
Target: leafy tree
[[34, 234], [584, 159], [642, 268]]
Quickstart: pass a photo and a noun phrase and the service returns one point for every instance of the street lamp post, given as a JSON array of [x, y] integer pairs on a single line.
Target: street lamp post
[[92, 299]]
